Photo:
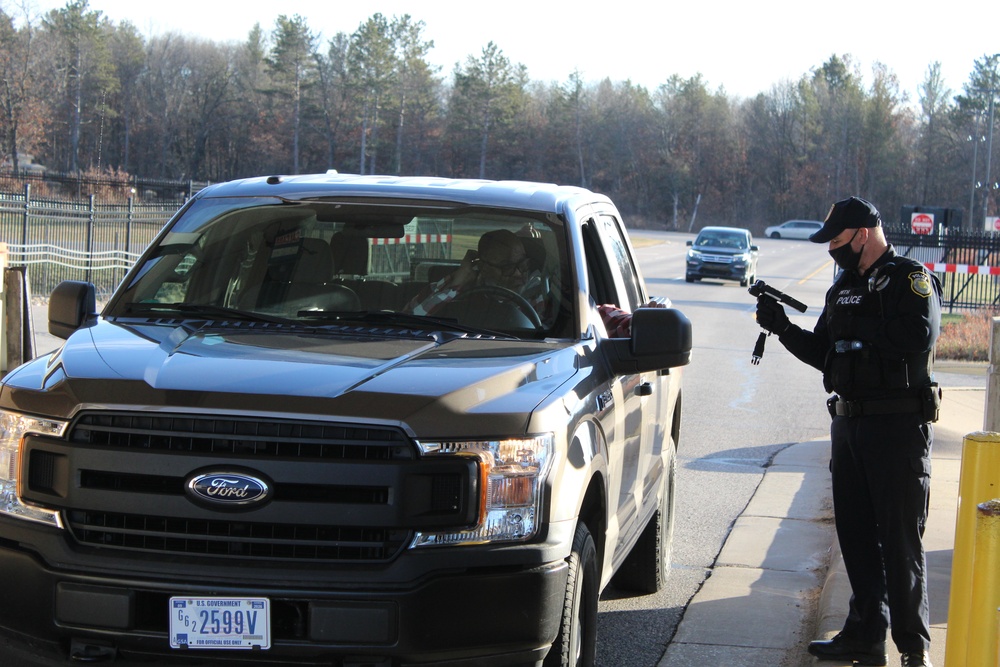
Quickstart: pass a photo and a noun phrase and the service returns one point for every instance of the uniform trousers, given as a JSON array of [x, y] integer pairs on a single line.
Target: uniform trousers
[[881, 490]]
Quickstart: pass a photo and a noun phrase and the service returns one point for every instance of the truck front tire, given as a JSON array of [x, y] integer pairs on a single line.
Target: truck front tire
[[576, 643]]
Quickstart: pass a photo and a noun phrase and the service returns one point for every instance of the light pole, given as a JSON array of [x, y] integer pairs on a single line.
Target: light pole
[[975, 138], [989, 154]]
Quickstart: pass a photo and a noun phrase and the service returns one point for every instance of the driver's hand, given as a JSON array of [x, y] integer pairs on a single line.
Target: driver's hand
[[617, 322], [466, 271]]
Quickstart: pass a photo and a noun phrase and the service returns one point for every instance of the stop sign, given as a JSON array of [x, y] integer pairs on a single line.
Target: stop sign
[[922, 223]]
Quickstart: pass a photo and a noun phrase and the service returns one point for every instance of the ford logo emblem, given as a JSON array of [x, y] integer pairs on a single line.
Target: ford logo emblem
[[232, 489]]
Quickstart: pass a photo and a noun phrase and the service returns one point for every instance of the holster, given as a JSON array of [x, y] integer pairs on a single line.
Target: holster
[[930, 397]]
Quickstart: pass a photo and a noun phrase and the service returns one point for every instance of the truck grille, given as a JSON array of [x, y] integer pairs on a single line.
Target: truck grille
[[717, 259], [233, 539], [239, 437], [340, 492]]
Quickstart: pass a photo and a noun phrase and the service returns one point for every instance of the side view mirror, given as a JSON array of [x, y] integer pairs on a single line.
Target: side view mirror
[[661, 339], [71, 304]]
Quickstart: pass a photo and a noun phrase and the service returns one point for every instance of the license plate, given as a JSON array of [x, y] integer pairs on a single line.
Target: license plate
[[220, 623]]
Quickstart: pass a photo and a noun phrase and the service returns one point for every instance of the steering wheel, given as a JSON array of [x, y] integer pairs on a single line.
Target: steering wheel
[[504, 294]]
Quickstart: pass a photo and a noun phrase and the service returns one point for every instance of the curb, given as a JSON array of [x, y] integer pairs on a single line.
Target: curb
[[832, 599]]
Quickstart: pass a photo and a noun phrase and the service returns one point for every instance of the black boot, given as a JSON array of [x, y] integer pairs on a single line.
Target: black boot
[[915, 659], [848, 650]]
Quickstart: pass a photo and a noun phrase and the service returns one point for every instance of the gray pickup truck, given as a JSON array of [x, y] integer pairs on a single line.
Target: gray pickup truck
[[346, 420]]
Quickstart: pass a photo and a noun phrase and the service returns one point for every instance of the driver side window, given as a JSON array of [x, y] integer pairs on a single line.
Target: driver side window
[[622, 270]]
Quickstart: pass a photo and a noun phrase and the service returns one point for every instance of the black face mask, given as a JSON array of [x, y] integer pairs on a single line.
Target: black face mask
[[845, 257]]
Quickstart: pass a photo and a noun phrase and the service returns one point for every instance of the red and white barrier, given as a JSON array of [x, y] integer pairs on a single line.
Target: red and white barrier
[[963, 268], [414, 239]]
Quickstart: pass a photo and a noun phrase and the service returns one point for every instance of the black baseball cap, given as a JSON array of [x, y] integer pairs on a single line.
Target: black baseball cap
[[851, 213]]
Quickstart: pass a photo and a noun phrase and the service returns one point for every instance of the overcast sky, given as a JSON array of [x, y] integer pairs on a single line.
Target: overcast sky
[[743, 47]]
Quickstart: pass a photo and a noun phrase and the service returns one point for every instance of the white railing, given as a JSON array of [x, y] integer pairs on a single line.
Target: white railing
[[45, 253]]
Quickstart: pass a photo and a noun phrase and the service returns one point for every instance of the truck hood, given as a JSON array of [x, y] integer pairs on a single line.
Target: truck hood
[[438, 383]]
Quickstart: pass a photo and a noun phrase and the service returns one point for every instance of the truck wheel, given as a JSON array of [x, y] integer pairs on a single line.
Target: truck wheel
[[576, 643], [647, 566]]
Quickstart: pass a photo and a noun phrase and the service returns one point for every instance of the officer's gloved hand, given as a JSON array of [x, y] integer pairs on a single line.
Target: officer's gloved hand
[[771, 315]]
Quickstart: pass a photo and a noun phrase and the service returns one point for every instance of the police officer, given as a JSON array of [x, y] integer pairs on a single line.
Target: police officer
[[874, 344]]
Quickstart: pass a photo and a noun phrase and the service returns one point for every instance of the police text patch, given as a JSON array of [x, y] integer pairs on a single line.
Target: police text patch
[[920, 283]]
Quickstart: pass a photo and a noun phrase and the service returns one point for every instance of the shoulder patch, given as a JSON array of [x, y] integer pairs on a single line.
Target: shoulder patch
[[920, 283]]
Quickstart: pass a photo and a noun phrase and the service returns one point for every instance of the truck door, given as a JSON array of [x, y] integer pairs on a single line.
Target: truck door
[[614, 280]]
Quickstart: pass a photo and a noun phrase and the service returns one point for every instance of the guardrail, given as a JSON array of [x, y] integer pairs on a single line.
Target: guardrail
[[51, 264], [73, 259]]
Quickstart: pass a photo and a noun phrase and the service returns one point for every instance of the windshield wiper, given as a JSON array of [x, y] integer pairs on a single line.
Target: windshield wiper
[[313, 317], [392, 317], [203, 310]]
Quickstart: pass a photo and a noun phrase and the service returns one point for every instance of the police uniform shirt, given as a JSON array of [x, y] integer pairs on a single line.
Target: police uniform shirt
[[876, 335]]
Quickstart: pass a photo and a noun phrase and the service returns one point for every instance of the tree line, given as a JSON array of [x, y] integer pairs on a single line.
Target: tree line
[[81, 93]]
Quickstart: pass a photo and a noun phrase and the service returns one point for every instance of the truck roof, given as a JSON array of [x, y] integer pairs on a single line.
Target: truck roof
[[546, 197]]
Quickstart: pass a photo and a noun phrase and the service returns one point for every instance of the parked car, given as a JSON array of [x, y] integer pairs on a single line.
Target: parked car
[[261, 444], [722, 253], [793, 229]]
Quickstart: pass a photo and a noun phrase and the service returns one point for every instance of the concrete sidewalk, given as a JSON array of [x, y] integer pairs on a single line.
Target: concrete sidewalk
[[779, 581], [757, 606]]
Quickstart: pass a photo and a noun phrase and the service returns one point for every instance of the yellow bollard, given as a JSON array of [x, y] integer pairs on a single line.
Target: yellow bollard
[[982, 648], [979, 481]]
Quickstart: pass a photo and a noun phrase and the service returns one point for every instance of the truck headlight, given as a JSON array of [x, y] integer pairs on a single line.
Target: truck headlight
[[511, 477], [13, 428]]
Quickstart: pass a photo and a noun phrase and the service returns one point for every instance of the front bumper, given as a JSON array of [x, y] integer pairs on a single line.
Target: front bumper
[[485, 616]]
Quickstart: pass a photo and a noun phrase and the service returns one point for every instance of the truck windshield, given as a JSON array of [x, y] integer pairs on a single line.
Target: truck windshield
[[343, 261]]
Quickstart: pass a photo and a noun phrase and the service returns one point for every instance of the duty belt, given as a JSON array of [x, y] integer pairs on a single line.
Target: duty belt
[[880, 406]]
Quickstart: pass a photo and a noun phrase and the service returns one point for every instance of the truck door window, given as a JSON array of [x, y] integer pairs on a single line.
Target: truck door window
[[600, 281], [622, 266]]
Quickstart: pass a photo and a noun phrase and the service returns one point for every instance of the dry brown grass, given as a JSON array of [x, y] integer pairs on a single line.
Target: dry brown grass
[[966, 337], [106, 184]]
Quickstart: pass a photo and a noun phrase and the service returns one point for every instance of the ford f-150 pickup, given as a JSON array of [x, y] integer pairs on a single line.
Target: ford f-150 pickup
[[346, 420]]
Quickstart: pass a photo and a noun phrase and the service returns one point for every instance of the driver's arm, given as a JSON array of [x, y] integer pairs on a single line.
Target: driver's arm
[[446, 289], [619, 322]]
